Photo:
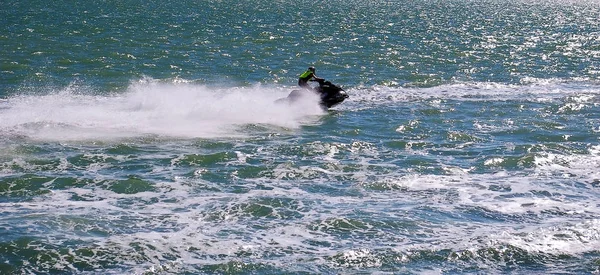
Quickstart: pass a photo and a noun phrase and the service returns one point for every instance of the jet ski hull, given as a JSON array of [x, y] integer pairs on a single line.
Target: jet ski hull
[[330, 95]]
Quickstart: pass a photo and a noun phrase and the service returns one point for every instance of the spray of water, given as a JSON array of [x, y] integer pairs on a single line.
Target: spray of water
[[152, 108]]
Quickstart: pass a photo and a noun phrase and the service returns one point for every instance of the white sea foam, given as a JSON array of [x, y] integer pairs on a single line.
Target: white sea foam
[[203, 228], [535, 90]]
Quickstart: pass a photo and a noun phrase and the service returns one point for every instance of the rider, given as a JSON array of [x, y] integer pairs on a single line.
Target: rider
[[309, 75]]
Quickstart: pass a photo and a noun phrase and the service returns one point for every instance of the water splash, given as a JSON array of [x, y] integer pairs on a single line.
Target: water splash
[[152, 108]]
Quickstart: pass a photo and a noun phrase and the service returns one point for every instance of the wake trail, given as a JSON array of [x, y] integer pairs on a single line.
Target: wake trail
[[151, 108]]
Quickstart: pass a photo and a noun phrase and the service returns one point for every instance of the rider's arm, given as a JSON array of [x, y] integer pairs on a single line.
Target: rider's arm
[[315, 78]]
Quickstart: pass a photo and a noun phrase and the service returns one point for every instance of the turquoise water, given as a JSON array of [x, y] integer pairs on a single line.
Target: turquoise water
[[141, 137]]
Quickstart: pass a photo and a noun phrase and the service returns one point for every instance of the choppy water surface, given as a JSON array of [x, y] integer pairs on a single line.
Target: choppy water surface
[[142, 137]]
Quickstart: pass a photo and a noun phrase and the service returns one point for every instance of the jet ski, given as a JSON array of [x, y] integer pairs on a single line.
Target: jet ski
[[329, 94]]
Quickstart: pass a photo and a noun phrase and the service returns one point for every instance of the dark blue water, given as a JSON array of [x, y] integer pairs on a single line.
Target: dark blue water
[[142, 137]]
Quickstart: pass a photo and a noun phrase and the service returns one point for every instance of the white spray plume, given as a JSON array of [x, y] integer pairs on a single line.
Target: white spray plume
[[152, 108]]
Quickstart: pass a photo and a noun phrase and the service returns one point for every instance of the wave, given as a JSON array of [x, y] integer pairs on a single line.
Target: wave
[[281, 229]]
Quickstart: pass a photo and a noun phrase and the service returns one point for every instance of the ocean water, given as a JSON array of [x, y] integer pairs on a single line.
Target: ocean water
[[142, 137]]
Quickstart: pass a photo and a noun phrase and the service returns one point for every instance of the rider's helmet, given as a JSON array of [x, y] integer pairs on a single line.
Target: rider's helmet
[[312, 69]]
